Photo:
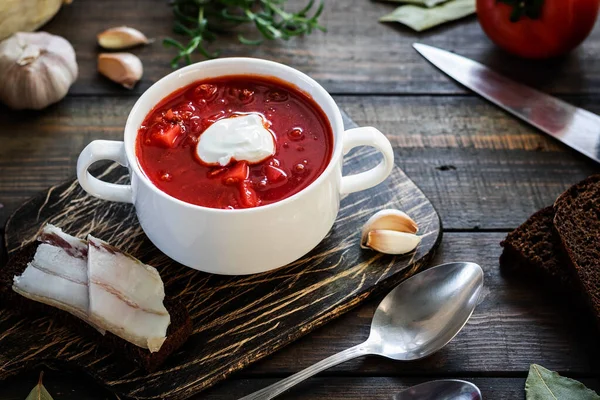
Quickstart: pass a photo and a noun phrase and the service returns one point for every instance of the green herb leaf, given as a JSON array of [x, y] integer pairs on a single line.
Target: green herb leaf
[[249, 42], [543, 384], [424, 3], [39, 392], [531, 9], [202, 21], [420, 19]]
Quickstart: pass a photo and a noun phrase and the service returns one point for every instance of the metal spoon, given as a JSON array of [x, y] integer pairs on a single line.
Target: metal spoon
[[416, 319], [445, 389]]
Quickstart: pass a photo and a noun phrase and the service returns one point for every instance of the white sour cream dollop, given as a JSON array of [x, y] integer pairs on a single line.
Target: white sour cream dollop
[[243, 138]]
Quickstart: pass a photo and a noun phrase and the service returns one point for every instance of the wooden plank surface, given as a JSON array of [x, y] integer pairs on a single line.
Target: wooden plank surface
[[356, 55], [235, 320], [469, 158], [73, 387], [516, 324]]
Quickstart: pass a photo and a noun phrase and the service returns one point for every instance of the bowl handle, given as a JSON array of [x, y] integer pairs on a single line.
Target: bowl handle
[[103, 150], [367, 136]]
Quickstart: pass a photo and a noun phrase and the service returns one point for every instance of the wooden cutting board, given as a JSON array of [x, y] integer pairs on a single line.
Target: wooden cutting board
[[237, 320]]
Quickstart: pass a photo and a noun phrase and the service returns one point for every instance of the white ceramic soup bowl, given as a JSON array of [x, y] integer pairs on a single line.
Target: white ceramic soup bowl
[[243, 241]]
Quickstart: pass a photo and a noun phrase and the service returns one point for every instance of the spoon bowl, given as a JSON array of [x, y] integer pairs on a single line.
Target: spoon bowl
[[416, 319], [444, 389], [425, 312]]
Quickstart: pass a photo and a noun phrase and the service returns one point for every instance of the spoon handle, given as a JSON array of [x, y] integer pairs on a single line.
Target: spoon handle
[[279, 387]]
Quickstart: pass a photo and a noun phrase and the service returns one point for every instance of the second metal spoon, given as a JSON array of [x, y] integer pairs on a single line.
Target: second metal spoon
[[444, 389]]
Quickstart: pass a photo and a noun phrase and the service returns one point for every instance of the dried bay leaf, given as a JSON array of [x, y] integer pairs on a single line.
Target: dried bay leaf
[[424, 3], [420, 18], [543, 384], [39, 392]]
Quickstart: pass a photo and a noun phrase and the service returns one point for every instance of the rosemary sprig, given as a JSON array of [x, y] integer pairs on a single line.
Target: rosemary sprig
[[201, 21]]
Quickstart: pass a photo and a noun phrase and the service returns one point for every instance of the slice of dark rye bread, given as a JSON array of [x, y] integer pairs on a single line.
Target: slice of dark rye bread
[[533, 249], [178, 331], [577, 224]]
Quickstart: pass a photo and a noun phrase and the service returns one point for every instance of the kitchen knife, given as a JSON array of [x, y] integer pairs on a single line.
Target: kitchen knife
[[575, 127]]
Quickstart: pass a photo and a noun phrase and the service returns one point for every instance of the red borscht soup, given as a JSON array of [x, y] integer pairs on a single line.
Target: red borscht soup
[[264, 140]]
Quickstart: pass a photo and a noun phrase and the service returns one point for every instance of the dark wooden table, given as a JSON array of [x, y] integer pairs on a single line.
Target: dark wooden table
[[484, 171]]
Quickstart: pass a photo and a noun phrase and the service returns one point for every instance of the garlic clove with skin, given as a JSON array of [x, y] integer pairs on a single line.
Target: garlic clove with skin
[[392, 242], [37, 70], [389, 219], [123, 68], [121, 37], [391, 232]]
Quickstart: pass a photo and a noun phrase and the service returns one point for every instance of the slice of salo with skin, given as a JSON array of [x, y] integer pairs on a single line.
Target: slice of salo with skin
[[126, 296], [57, 275]]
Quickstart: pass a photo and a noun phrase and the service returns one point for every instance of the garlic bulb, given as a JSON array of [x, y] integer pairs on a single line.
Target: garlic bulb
[[123, 68], [390, 232], [37, 70], [121, 37]]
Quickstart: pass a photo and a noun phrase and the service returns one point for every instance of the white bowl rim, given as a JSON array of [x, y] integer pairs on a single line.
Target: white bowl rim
[[337, 127]]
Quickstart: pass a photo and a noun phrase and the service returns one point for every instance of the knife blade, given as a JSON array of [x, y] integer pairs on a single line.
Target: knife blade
[[575, 127]]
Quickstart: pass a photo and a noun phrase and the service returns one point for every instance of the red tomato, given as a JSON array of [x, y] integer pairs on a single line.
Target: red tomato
[[558, 27]]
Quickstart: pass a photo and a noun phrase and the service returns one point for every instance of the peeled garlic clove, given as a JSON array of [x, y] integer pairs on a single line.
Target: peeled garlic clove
[[391, 219], [392, 242], [121, 37], [123, 68], [36, 70]]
